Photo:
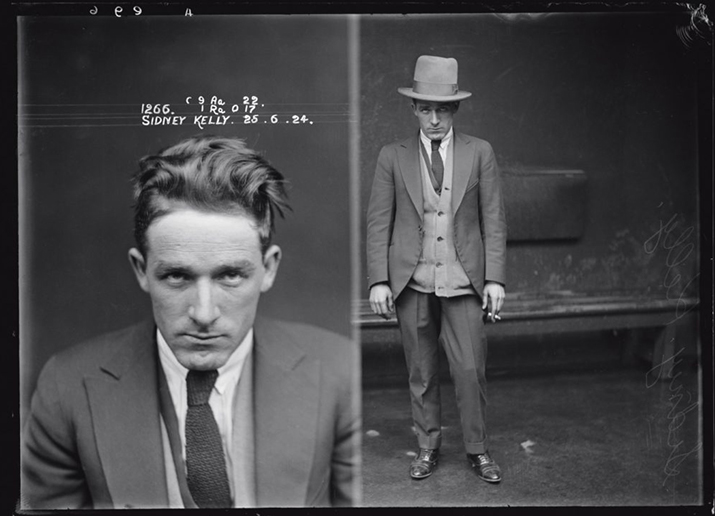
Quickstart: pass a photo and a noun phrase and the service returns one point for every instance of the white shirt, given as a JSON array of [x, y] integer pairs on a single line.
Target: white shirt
[[442, 146], [220, 400]]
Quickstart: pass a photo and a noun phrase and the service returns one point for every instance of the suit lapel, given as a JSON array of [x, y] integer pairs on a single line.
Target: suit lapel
[[461, 168], [124, 400], [409, 163], [286, 397]]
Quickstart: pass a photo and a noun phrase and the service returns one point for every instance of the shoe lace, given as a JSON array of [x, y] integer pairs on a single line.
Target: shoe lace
[[483, 458], [425, 455]]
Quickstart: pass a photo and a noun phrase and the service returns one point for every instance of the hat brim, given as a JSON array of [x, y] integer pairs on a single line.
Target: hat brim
[[409, 92]]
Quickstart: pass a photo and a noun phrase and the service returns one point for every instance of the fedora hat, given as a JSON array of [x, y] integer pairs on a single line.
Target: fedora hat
[[435, 79]]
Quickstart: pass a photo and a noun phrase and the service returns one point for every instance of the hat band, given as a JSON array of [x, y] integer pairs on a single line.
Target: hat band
[[431, 88]]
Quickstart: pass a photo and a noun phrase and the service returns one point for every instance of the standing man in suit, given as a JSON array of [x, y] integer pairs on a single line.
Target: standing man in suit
[[436, 245], [205, 405]]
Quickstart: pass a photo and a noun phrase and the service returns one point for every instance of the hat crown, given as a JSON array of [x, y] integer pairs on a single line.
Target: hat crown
[[436, 70], [435, 79]]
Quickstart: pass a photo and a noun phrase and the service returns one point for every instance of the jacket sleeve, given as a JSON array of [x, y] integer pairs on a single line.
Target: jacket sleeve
[[493, 218], [52, 474], [346, 484], [380, 218]]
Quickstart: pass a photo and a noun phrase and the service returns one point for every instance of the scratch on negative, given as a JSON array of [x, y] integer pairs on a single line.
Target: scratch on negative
[[699, 25]]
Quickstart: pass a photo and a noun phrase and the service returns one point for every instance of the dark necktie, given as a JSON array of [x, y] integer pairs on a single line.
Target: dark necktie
[[205, 464], [437, 164]]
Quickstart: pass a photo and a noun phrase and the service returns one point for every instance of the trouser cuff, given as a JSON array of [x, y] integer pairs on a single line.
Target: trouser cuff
[[473, 448], [429, 443]]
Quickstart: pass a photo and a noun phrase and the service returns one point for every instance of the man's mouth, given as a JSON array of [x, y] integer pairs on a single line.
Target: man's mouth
[[204, 337]]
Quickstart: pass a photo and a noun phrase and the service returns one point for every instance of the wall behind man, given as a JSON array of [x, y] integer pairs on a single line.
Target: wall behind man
[[611, 94], [82, 84]]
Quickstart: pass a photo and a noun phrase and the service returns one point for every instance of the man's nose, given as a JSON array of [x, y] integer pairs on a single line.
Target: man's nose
[[204, 310], [434, 119]]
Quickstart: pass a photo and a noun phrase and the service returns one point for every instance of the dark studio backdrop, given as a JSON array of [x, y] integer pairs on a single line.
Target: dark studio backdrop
[[84, 84], [594, 121], [611, 95]]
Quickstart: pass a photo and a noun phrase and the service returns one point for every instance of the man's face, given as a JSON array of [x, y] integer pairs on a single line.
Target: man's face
[[205, 273], [436, 118]]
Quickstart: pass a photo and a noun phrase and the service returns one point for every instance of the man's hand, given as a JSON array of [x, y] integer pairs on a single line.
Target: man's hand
[[381, 300], [493, 298]]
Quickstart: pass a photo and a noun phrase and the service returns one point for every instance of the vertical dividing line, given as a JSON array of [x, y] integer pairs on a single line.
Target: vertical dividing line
[[353, 26], [24, 338]]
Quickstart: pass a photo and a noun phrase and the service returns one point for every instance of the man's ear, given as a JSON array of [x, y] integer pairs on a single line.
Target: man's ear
[[138, 263], [271, 261]]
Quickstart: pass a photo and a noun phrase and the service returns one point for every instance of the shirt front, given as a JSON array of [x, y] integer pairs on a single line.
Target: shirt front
[[220, 400], [442, 146]]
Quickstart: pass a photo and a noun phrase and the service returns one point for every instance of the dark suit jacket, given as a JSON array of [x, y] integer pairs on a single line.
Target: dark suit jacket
[[395, 213], [93, 436]]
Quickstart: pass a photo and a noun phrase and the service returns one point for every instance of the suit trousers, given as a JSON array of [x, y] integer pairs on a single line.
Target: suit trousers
[[425, 321]]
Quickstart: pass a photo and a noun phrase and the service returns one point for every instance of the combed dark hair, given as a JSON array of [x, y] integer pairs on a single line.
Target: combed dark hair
[[209, 173]]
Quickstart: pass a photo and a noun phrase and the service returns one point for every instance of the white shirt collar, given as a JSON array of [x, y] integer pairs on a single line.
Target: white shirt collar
[[230, 371], [445, 141]]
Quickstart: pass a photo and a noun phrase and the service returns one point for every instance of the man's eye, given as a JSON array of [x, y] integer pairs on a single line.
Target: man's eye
[[175, 277], [232, 276]]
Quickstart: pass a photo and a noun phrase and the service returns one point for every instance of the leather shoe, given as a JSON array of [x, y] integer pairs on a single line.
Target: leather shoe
[[485, 466], [424, 464]]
